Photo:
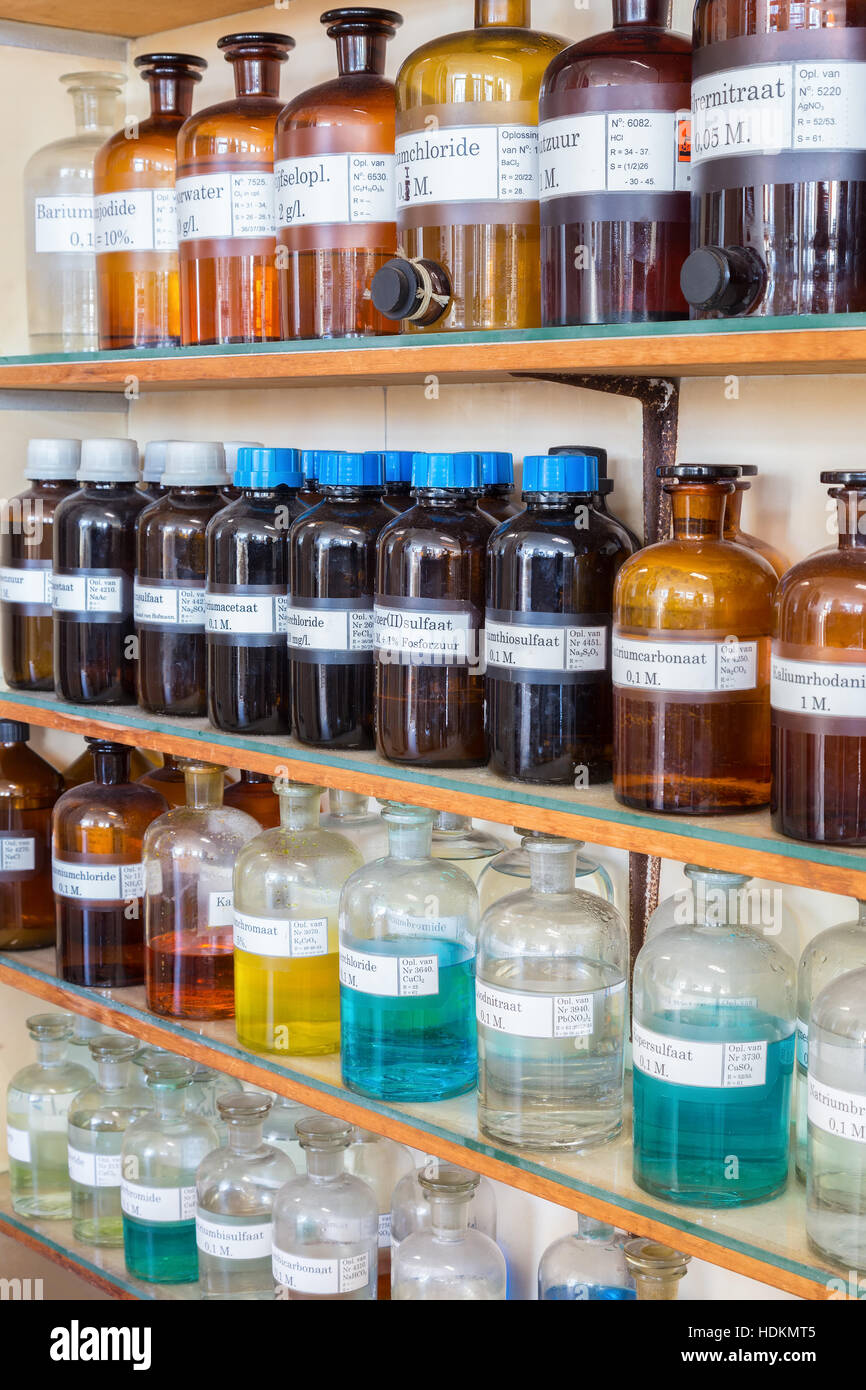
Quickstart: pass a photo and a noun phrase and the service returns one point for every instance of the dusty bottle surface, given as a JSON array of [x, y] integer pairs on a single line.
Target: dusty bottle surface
[[733, 529], [29, 787], [254, 793]]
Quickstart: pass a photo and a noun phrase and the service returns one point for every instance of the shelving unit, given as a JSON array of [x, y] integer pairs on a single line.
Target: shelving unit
[[124, 17]]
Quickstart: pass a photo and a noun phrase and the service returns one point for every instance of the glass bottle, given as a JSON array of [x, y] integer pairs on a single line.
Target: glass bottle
[[189, 858], [84, 1030], [326, 1222], [552, 1008], [550, 581], [254, 793], [170, 580], [135, 212], [236, 1188], [58, 211], [691, 661], [382, 1163], [410, 1205], [38, 1099], [587, 1266], [141, 762], [332, 558], [334, 185], [458, 841], [407, 961], [153, 467], [98, 874], [606, 484], [26, 554], [509, 872], [246, 599], [279, 1128], [656, 1270], [206, 1089], [398, 480], [717, 895], [309, 493], [93, 571], [349, 813], [225, 201], [818, 679], [233, 449], [286, 929], [614, 172], [162, 1150], [169, 780], [29, 787], [451, 1261], [428, 620], [98, 1119], [497, 487], [778, 212], [733, 516]]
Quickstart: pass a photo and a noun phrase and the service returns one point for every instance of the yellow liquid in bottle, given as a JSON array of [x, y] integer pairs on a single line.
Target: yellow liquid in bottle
[[290, 1005]]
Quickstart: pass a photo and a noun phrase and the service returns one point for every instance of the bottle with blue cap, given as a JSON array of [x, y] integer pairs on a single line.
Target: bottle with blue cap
[[606, 484], [550, 580], [398, 479], [497, 487], [429, 619], [332, 557], [310, 494]]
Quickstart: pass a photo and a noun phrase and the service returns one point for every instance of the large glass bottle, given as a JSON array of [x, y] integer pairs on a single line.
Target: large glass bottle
[[428, 620], [691, 660], [37, 1108], [458, 841], [98, 874], [723, 896], [733, 516], [614, 172], [410, 1205], [135, 212], [254, 793], [169, 780], [141, 762], [225, 201], [383, 1164], [588, 1266], [407, 962], [818, 683], [451, 1261], [509, 872], [334, 185], [29, 787], [58, 211], [497, 498], [286, 929], [350, 814], [26, 557]]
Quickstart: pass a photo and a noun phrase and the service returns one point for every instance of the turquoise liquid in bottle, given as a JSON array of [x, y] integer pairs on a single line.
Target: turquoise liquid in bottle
[[161, 1254]]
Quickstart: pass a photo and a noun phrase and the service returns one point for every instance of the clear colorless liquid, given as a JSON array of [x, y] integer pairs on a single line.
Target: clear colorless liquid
[[96, 1213], [41, 1187], [245, 1279]]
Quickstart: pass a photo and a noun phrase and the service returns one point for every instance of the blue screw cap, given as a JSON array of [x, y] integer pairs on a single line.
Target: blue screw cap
[[268, 468], [340, 469], [571, 473]]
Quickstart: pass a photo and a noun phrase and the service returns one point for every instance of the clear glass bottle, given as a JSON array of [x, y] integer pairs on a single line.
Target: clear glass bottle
[[206, 1088], [398, 480], [254, 793], [153, 467], [26, 557], [58, 211], [509, 871], [236, 1188], [286, 929], [84, 1030], [38, 1099], [451, 1261], [29, 787], [382, 1163], [189, 858], [552, 1009], [408, 924], [162, 1150], [497, 500], [350, 814], [588, 1266], [656, 1270], [279, 1128], [326, 1223], [717, 895], [733, 516], [98, 1119], [410, 1205], [457, 840]]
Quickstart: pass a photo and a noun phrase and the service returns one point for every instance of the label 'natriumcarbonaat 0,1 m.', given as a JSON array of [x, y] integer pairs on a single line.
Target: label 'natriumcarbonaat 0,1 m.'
[[614, 152], [701, 667], [722, 1065], [826, 689]]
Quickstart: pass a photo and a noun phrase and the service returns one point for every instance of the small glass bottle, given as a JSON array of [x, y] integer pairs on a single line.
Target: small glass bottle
[[691, 660], [254, 793], [38, 1100], [398, 480], [350, 814], [206, 1089], [98, 874], [153, 467], [452, 1261], [141, 762], [552, 1007], [225, 201], [410, 1205], [135, 212], [84, 1030], [26, 558], [429, 618], [170, 581], [236, 1188], [382, 1163], [606, 484], [309, 493], [334, 185], [332, 558], [92, 580], [98, 1119], [407, 962], [733, 516], [189, 858], [29, 788], [509, 872], [326, 1222], [162, 1150], [588, 1266], [286, 929], [656, 1270], [497, 499], [457, 840]]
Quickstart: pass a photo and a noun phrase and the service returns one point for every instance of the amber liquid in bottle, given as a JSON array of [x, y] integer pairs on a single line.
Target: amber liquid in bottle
[[734, 532], [29, 787], [254, 793], [26, 545]]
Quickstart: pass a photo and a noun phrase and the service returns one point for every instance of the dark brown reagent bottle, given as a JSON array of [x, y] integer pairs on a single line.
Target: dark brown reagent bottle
[[606, 484], [254, 793], [497, 500], [29, 787], [398, 480], [309, 493]]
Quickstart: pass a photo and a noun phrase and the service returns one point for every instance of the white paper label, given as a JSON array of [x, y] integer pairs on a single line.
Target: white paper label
[[284, 937], [25, 586], [307, 1275], [398, 977], [330, 189], [63, 224], [840, 1113], [220, 909], [18, 1144], [330, 629], [174, 606], [538, 1015], [722, 1065], [97, 882], [467, 164], [157, 1203], [802, 1043], [17, 854], [700, 667], [522, 648], [87, 593], [226, 205], [94, 1170], [142, 219], [615, 152], [820, 688], [252, 613], [384, 1230], [436, 928], [430, 636], [225, 1242]]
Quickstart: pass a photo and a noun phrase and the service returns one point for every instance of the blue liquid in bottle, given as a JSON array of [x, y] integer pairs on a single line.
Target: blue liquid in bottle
[[161, 1252], [587, 1293]]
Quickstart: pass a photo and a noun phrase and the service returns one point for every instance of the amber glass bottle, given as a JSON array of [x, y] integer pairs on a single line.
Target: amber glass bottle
[[309, 493], [169, 583], [818, 687], [98, 872], [141, 762], [225, 201], [429, 618], [332, 554], [135, 213], [614, 172], [606, 484], [691, 660], [497, 500], [94, 565], [334, 186], [26, 550], [733, 517], [29, 787], [254, 793], [398, 480]]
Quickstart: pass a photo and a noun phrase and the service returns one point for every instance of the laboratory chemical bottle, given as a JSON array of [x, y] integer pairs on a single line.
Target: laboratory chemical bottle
[[38, 1099], [606, 484], [142, 761], [452, 1261], [207, 1088], [153, 467], [279, 1128], [410, 1205], [169, 780], [497, 500], [458, 841], [309, 493], [398, 479], [84, 1030], [723, 896], [587, 1266], [254, 793], [509, 872], [691, 660], [656, 1270], [350, 814], [233, 449], [29, 788], [382, 1163], [733, 516]]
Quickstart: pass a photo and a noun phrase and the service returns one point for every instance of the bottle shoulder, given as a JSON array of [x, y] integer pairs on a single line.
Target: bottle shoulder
[[452, 56], [424, 528], [700, 953], [564, 533], [89, 506], [613, 59], [95, 805], [240, 129], [828, 580], [212, 832], [555, 925], [671, 583], [299, 856], [36, 1079], [350, 100]]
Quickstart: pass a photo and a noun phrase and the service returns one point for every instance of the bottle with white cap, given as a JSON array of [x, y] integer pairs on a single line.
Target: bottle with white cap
[[170, 578], [26, 540], [94, 565], [152, 469]]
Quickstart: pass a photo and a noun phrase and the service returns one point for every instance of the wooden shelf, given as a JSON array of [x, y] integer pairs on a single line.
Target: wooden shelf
[[127, 18]]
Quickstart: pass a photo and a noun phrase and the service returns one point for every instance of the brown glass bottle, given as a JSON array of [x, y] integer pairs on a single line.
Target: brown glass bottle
[[169, 780], [497, 500], [141, 762], [135, 213], [26, 550], [225, 202], [691, 661], [334, 186], [98, 873], [606, 484], [818, 685], [29, 787], [428, 619], [254, 793], [734, 532]]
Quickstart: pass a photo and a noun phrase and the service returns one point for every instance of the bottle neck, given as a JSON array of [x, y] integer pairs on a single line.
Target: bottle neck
[[299, 813], [658, 1288], [410, 841], [113, 1076], [254, 779], [851, 512], [169, 1103], [95, 110], [171, 95], [552, 868], [553, 501], [345, 803], [448, 823], [699, 512], [246, 1138], [441, 497], [514, 13], [111, 769], [449, 1217], [171, 763], [257, 76], [361, 53], [734, 510], [324, 1165], [51, 1053], [656, 14], [204, 787]]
